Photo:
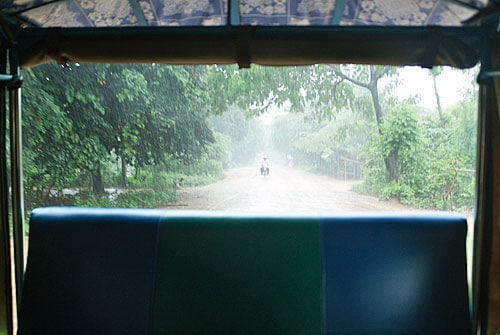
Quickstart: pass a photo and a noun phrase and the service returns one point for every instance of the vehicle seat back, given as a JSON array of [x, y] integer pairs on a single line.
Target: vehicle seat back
[[127, 271]]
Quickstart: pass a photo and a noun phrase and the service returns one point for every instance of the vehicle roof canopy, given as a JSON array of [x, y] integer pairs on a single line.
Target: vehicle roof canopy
[[266, 32]]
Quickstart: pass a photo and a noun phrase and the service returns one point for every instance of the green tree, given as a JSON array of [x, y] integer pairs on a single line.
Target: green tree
[[78, 92], [49, 143], [399, 138], [451, 157], [170, 120], [369, 78], [143, 114]]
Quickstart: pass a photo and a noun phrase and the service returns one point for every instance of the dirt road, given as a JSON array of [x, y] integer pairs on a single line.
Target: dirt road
[[284, 190]]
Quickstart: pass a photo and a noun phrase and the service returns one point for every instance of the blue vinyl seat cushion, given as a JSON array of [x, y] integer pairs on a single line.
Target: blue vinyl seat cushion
[[90, 271], [395, 275]]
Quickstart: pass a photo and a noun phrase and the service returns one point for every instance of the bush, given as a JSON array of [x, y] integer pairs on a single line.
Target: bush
[[145, 199], [400, 191], [130, 199], [207, 168]]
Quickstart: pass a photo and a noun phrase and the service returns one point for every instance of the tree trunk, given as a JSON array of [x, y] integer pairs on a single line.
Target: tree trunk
[[391, 162], [392, 167], [97, 184], [376, 103], [438, 100], [123, 178]]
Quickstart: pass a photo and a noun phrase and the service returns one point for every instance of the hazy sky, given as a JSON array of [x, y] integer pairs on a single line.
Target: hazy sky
[[451, 85]]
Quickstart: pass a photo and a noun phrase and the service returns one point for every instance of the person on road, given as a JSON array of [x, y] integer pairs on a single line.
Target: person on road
[[264, 166]]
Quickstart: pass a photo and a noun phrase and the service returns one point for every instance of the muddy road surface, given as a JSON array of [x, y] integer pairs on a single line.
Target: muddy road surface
[[283, 190]]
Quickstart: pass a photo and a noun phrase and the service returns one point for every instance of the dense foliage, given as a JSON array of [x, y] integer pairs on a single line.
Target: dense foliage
[[92, 127]]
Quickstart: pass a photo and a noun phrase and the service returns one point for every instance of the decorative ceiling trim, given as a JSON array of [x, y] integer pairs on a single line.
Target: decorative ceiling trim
[[138, 12], [338, 12]]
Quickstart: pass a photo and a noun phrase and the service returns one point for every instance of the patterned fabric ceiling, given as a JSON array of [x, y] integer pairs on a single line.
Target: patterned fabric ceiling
[[126, 13]]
